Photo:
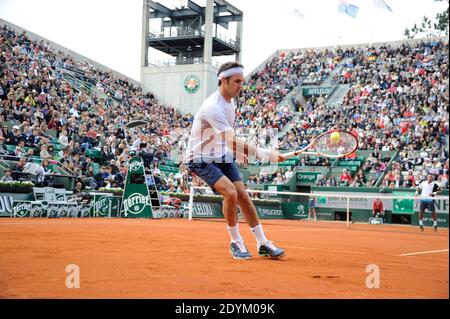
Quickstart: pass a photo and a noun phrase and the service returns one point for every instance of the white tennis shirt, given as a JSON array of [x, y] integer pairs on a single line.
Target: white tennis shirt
[[427, 190], [215, 116]]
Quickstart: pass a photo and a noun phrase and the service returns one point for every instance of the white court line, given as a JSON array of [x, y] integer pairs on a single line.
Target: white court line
[[424, 252]]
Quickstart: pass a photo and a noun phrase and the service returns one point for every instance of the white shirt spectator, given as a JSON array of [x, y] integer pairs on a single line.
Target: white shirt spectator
[[73, 111], [63, 140], [289, 174]]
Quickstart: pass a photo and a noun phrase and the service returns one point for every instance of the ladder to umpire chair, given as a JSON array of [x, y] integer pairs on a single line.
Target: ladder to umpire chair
[[153, 191]]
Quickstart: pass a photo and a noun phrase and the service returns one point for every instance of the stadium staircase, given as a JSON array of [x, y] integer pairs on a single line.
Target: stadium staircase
[[77, 84], [82, 82], [336, 96], [337, 70], [340, 90]]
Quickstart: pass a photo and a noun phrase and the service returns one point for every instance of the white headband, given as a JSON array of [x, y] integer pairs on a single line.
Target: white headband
[[230, 72]]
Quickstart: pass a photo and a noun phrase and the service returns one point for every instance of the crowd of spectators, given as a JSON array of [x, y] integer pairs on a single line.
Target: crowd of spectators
[[397, 102], [47, 111], [278, 177]]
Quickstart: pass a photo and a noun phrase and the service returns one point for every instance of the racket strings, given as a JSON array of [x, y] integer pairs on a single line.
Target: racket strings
[[346, 144]]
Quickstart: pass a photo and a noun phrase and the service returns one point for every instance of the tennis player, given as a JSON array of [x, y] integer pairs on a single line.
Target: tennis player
[[429, 189], [211, 154]]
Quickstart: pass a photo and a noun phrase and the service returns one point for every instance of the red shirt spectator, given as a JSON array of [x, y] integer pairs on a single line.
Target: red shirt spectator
[[377, 207], [390, 176], [91, 133], [346, 176], [404, 126]]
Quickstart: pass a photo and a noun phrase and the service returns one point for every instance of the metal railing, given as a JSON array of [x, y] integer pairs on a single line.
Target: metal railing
[[184, 61], [176, 32], [76, 83]]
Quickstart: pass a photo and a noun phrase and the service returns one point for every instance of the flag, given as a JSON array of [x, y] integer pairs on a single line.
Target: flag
[[381, 4], [299, 14], [350, 9]]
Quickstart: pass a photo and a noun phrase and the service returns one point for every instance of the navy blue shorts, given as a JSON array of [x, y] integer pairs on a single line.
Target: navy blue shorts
[[212, 172], [427, 205]]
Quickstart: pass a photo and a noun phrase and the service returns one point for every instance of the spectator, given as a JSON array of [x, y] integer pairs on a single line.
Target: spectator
[[44, 154], [106, 155], [88, 178], [100, 177], [289, 174], [79, 193], [345, 178], [119, 178], [312, 208], [44, 178], [7, 177], [86, 164], [409, 180], [30, 155], [3, 149], [371, 182], [355, 182], [20, 149], [63, 139], [361, 177], [442, 182], [19, 172], [378, 209]]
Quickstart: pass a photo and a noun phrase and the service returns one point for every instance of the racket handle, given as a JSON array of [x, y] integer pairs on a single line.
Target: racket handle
[[292, 154], [289, 155]]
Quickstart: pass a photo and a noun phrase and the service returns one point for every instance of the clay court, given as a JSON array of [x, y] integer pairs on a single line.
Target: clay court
[[177, 258]]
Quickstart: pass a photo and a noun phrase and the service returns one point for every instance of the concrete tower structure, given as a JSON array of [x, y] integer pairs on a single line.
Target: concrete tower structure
[[190, 35]]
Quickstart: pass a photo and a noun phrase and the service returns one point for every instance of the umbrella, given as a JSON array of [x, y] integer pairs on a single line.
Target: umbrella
[[136, 123]]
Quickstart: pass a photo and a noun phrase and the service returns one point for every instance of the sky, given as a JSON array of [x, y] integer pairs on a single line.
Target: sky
[[109, 31]]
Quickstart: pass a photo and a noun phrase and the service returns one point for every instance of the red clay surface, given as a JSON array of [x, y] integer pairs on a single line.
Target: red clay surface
[[176, 258]]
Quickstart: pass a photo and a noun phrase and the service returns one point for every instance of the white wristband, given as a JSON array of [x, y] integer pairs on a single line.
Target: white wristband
[[263, 153]]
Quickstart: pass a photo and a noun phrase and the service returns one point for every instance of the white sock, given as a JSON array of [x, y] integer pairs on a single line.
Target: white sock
[[258, 232], [234, 233], [420, 222], [435, 223]]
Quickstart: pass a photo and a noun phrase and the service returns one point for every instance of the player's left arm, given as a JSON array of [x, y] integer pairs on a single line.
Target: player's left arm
[[436, 189]]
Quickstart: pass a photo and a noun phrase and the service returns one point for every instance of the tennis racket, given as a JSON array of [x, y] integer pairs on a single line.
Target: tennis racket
[[333, 144]]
